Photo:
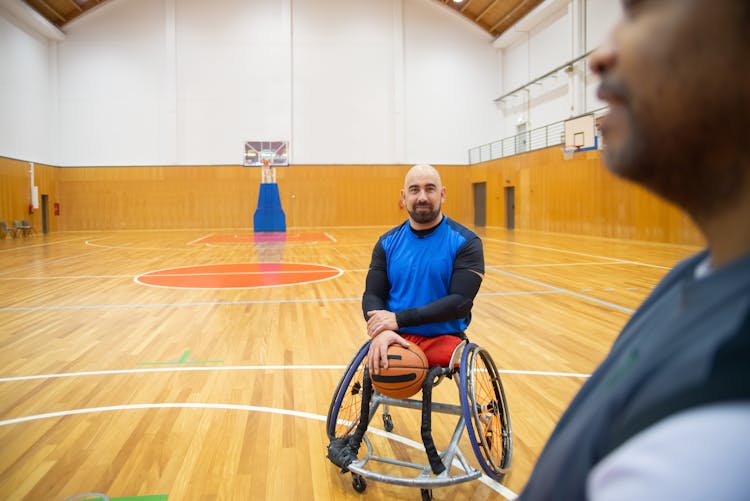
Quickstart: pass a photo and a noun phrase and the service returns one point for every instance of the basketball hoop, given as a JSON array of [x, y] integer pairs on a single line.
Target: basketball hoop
[[568, 152], [267, 174]]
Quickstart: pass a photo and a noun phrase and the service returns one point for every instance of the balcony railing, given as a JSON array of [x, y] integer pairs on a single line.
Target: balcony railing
[[535, 139]]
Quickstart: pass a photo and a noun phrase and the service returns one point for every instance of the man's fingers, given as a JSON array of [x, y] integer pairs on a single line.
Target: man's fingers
[[370, 364]]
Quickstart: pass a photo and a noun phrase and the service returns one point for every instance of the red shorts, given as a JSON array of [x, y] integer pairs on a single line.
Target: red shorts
[[438, 349]]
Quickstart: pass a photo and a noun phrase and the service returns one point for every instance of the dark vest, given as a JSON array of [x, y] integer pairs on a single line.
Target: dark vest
[[687, 345]]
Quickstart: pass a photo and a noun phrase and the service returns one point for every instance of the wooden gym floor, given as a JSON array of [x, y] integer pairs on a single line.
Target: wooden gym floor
[[148, 391]]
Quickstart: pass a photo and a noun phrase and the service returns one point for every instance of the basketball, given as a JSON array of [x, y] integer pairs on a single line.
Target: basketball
[[407, 368]]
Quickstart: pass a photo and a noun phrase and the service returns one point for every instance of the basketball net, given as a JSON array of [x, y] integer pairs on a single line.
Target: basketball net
[[568, 151], [268, 175]]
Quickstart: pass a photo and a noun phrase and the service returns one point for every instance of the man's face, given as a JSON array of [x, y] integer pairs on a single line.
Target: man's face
[[423, 196], [674, 73]]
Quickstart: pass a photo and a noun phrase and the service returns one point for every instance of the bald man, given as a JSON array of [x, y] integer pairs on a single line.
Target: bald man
[[420, 288], [423, 277]]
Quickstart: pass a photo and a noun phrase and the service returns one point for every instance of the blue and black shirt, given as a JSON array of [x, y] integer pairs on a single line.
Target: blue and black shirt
[[428, 278]]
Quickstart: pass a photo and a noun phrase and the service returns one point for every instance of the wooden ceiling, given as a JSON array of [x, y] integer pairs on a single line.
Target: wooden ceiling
[[493, 16]]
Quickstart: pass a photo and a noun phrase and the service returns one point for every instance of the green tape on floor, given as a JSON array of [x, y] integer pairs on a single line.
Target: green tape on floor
[[155, 497]]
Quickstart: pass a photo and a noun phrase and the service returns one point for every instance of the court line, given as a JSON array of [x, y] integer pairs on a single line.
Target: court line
[[290, 245], [200, 238], [231, 303], [46, 244], [618, 261], [566, 291], [233, 273], [68, 277], [352, 270], [497, 487], [542, 265], [492, 484], [38, 264], [11, 379]]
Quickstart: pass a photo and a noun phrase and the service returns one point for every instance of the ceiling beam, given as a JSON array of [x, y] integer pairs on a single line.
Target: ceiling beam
[[510, 14], [485, 11], [75, 5], [52, 10], [466, 4]]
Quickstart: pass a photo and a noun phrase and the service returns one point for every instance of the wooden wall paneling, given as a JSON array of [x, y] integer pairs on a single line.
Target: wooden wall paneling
[[579, 196], [576, 196], [15, 192]]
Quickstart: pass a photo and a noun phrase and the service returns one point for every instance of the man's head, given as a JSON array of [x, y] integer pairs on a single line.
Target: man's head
[[676, 77], [423, 196]]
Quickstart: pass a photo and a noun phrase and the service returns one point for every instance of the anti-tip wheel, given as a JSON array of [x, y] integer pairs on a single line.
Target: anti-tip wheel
[[359, 483]]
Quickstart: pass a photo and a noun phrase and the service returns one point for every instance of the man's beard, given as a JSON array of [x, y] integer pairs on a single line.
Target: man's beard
[[672, 160], [424, 217], [675, 169]]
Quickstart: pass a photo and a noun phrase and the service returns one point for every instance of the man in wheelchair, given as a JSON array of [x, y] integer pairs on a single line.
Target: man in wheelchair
[[420, 287]]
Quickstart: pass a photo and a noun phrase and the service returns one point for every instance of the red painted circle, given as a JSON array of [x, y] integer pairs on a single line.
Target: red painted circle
[[238, 276]]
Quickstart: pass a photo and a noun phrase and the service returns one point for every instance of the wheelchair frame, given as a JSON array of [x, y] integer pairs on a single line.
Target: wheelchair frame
[[483, 413]]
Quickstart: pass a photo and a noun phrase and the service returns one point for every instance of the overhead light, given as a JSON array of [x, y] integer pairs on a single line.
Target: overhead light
[[458, 1]]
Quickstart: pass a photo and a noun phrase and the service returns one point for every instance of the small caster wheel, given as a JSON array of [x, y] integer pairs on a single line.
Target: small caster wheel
[[426, 494], [359, 483], [387, 422]]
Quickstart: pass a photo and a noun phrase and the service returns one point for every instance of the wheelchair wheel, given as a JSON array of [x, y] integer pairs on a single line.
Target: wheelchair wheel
[[485, 411], [344, 411]]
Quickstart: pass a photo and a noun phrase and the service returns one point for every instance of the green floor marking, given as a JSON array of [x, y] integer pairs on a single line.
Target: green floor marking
[[155, 497], [183, 360]]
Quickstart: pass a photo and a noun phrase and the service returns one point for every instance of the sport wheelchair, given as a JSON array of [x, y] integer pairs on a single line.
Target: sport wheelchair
[[483, 411]]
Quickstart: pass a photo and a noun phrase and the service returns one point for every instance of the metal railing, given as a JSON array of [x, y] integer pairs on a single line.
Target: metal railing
[[535, 139]]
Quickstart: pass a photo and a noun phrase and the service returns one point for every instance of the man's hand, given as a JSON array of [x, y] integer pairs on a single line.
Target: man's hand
[[379, 321], [378, 353]]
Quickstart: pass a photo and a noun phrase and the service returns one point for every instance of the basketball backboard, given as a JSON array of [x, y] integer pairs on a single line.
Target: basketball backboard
[[257, 151], [580, 133]]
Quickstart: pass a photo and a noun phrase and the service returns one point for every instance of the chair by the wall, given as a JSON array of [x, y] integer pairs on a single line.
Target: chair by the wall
[[6, 230]]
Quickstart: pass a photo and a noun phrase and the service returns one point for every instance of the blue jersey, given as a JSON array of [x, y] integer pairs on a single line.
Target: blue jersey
[[420, 266]]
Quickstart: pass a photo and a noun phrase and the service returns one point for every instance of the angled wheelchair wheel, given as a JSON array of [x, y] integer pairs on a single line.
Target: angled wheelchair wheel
[[485, 411], [344, 411]]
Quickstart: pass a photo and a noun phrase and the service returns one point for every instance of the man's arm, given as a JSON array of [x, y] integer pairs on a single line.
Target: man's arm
[[377, 285]]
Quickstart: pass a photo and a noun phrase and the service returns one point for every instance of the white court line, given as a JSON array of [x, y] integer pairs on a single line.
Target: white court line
[[565, 291], [200, 238], [330, 236], [47, 244], [69, 277], [39, 264], [617, 261], [111, 372], [556, 264], [497, 487], [232, 273], [229, 303]]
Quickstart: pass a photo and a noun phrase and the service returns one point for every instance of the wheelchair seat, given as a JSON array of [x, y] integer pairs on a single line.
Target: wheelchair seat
[[483, 413]]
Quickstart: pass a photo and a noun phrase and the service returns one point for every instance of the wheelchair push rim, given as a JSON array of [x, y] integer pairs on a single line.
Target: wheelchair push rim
[[485, 411], [344, 411]]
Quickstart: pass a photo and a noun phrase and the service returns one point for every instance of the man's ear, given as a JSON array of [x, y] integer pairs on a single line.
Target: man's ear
[[442, 194]]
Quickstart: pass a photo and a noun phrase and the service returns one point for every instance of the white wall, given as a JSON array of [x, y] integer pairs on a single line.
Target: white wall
[[27, 111], [541, 43], [344, 83], [451, 80], [144, 82]]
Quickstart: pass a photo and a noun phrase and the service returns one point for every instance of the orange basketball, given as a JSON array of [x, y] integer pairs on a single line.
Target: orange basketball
[[407, 368]]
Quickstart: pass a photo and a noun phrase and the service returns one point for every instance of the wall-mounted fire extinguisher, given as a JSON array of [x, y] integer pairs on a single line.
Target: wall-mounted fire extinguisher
[[57, 208]]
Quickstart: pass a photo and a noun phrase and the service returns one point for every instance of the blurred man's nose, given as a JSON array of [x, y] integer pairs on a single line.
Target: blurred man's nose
[[603, 57]]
